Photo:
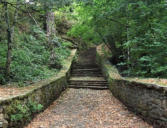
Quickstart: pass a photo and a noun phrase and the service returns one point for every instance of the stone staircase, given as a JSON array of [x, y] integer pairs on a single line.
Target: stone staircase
[[88, 76]]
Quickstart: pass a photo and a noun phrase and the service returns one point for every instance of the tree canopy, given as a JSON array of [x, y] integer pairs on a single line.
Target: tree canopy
[[30, 44], [135, 31]]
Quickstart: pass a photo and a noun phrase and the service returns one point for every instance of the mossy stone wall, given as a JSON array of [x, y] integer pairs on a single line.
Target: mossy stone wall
[[147, 100], [17, 111]]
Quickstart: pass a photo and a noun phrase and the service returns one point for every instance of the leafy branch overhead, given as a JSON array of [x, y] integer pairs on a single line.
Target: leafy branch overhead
[[134, 30]]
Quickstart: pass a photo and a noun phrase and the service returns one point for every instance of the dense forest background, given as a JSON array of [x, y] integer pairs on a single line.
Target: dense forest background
[[30, 46], [134, 30], [36, 36]]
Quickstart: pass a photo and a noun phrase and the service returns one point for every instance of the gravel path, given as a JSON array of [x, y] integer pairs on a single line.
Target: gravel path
[[84, 108]]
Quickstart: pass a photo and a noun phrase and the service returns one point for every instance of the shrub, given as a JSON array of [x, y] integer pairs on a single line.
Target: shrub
[[31, 56]]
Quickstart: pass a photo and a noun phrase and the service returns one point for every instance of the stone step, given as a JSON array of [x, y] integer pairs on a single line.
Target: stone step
[[83, 72], [83, 75], [87, 81], [87, 84], [84, 66], [89, 74], [90, 82], [88, 87], [87, 78], [87, 69]]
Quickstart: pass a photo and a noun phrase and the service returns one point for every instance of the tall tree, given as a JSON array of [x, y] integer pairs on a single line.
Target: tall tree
[[10, 32], [49, 7], [10, 40]]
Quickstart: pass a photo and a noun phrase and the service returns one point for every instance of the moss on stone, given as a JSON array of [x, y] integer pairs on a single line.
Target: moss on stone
[[147, 100], [39, 94]]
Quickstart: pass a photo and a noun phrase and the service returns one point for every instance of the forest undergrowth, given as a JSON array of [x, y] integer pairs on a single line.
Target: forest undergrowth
[[36, 36]]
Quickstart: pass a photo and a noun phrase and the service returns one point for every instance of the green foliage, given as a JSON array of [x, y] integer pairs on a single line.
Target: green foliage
[[61, 54], [31, 57], [85, 33], [57, 3], [34, 55], [146, 37], [84, 28], [24, 111], [135, 31], [3, 49], [34, 107], [67, 44]]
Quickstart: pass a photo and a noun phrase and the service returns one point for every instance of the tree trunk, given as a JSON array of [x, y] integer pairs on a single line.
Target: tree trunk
[[9, 38], [49, 19], [50, 23], [10, 34]]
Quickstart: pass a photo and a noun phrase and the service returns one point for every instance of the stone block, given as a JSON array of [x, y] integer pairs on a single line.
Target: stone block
[[149, 100]]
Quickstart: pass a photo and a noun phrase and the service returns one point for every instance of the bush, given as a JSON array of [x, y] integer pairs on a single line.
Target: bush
[[31, 57], [20, 111]]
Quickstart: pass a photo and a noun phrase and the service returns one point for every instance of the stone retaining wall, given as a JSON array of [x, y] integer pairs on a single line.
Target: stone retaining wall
[[16, 111], [146, 100]]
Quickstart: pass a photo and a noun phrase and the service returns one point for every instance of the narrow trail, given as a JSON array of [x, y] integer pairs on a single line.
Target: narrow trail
[[91, 105]]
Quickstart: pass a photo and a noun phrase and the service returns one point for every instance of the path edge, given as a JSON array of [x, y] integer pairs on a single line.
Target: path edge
[[40, 95], [149, 101]]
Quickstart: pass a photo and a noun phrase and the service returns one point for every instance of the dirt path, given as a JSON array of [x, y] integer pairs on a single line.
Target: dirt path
[[84, 108]]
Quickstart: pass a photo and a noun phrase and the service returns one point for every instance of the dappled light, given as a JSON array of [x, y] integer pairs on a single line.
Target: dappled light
[[83, 63]]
